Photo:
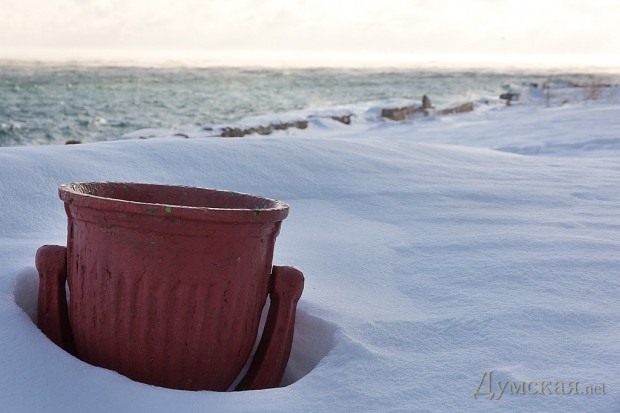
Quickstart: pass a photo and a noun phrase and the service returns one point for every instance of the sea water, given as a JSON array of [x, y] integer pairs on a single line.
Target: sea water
[[51, 104]]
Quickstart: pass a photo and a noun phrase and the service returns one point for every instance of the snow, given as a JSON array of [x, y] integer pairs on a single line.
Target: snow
[[434, 250]]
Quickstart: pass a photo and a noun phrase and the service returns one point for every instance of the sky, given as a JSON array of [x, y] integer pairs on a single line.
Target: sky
[[585, 32]]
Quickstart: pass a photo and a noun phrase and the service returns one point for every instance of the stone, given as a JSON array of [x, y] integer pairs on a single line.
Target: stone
[[510, 96], [400, 113], [465, 107], [230, 132], [346, 119], [426, 103], [301, 124]]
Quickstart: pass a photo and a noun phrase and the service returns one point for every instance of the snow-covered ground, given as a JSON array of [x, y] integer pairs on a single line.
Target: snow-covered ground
[[443, 257]]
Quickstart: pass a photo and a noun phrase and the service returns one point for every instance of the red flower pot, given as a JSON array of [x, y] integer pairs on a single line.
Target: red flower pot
[[167, 284]]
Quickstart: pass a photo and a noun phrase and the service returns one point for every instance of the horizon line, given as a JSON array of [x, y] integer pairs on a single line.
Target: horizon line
[[305, 59]]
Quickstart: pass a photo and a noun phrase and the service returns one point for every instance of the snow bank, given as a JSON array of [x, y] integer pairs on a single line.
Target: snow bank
[[434, 252]]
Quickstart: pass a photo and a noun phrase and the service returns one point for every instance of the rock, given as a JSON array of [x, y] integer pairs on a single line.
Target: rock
[[229, 132], [401, 113], [465, 107], [72, 142], [346, 119], [301, 124], [510, 96], [232, 133], [264, 130], [426, 103]]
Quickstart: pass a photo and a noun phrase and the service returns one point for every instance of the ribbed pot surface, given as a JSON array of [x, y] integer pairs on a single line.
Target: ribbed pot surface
[[167, 283]]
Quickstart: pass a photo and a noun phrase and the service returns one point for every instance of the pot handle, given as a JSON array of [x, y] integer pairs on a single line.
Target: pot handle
[[52, 313], [274, 349]]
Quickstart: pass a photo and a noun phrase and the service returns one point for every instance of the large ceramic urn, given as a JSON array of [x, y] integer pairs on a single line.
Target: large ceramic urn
[[167, 284]]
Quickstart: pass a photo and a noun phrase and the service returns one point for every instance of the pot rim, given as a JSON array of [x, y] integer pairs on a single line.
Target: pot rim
[[84, 194]]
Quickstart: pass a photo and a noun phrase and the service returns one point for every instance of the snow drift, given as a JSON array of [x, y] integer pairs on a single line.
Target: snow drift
[[435, 252]]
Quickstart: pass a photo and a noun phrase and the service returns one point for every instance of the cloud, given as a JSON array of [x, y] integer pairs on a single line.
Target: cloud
[[395, 26]]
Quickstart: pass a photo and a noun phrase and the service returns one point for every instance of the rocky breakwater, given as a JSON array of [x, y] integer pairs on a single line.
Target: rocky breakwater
[[397, 113], [301, 122], [401, 113], [238, 132]]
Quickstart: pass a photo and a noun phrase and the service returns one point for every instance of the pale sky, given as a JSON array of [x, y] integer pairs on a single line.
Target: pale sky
[[549, 30]]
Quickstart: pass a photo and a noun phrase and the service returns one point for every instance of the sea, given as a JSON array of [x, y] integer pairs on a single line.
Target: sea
[[42, 104]]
